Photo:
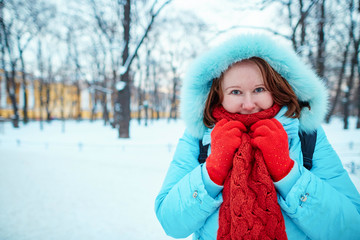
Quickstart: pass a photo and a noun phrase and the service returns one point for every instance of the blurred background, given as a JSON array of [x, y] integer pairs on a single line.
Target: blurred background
[[89, 101], [118, 60]]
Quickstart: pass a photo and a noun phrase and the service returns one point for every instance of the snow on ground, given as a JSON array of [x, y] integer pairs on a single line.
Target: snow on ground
[[85, 183], [347, 144]]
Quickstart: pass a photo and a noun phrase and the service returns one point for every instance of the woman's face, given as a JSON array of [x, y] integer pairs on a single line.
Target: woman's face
[[244, 90]]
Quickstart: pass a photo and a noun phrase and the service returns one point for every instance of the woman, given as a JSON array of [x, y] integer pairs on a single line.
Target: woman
[[231, 98]]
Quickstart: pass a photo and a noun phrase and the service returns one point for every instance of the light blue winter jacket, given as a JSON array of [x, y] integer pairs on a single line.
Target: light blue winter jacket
[[321, 203]]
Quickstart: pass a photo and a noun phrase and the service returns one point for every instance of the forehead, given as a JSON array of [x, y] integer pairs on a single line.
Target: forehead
[[243, 65], [244, 70]]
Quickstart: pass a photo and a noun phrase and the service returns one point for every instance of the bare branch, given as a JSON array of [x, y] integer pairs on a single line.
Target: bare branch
[[253, 27], [305, 14], [130, 59]]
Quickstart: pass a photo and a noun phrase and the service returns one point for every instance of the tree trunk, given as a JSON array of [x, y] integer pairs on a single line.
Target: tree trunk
[[173, 110], [41, 82], [340, 81], [140, 100], [358, 100], [293, 35], [123, 109], [105, 110], [350, 84], [156, 94], [104, 100], [320, 61], [122, 103], [48, 90], [24, 86], [123, 96], [78, 102], [354, 64], [10, 80], [11, 88], [147, 88], [62, 96], [93, 107], [358, 68], [303, 25], [114, 97], [358, 90], [47, 106]]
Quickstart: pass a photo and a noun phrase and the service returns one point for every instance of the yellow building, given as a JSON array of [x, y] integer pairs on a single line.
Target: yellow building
[[61, 99], [70, 101]]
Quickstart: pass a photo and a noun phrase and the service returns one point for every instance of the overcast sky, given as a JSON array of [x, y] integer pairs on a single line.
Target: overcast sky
[[227, 14]]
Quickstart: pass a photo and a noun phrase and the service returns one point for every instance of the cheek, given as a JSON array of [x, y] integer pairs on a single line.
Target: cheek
[[267, 101], [229, 103]]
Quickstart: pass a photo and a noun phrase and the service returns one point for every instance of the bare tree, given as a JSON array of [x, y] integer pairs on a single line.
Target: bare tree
[[358, 90], [139, 91], [175, 86], [181, 50], [100, 80], [297, 14], [7, 50], [355, 39], [41, 86], [107, 22], [156, 101], [122, 101], [25, 21], [120, 41], [357, 52], [78, 74], [50, 81], [330, 22], [321, 42], [339, 83]]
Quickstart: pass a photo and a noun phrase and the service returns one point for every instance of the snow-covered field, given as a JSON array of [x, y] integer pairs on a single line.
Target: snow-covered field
[[87, 184]]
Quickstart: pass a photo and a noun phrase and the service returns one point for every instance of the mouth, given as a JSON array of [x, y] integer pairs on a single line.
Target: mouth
[[249, 112]]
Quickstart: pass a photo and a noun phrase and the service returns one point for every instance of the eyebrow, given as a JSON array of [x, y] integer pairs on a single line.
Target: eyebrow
[[236, 86]]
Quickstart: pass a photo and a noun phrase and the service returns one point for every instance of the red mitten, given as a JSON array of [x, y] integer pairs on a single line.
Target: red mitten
[[225, 140], [272, 140]]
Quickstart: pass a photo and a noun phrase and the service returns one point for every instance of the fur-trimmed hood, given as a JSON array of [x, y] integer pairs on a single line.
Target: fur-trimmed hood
[[305, 83]]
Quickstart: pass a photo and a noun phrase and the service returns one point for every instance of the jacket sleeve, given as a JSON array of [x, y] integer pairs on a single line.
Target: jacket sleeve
[[324, 202], [183, 204]]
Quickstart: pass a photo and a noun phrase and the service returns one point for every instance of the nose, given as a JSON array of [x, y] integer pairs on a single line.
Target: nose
[[248, 103]]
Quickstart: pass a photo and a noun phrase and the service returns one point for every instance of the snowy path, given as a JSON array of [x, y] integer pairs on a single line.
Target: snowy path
[[87, 184]]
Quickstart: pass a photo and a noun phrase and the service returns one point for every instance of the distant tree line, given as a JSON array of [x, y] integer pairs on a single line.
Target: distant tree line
[[326, 33], [120, 49], [133, 54]]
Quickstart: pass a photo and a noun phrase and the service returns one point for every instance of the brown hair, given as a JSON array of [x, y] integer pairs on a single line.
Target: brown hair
[[279, 88]]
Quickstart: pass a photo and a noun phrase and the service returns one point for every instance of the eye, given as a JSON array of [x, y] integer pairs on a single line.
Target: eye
[[235, 92], [259, 90]]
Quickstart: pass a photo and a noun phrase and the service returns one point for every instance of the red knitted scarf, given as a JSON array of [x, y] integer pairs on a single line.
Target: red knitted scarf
[[250, 209]]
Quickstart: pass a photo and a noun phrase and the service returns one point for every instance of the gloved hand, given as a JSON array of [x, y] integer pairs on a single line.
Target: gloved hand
[[270, 137], [225, 140]]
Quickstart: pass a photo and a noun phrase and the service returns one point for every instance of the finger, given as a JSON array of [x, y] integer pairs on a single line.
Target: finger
[[221, 123], [235, 124], [236, 138], [260, 123], [242, 127], [262, 131], [235, 132], [257, 142]]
